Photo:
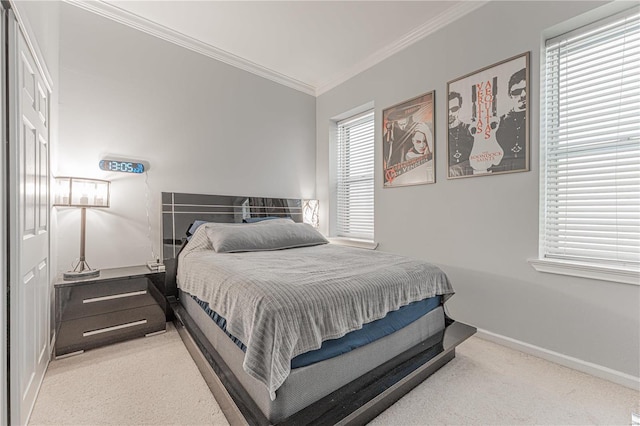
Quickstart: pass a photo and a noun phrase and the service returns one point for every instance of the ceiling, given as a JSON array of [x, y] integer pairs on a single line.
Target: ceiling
[[311, 46]]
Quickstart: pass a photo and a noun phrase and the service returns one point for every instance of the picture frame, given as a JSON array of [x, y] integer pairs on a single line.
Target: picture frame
[[408, 142], [488, 117]]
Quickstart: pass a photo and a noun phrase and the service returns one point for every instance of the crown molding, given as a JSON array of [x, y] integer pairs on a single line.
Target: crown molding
[[134, 21], [417, 34]]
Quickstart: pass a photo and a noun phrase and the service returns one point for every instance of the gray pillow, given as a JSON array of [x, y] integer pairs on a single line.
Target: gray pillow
[[266, 235]]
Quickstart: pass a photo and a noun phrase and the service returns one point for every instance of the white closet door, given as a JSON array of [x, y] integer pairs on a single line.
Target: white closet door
[[29, 225]]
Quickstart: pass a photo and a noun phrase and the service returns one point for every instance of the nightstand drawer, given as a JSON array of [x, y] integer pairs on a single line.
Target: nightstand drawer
[[97, 330], [119, 304], [92, 290], [99, 298]]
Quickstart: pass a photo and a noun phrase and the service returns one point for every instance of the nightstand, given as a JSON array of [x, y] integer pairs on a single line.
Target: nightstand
[[120, 304]]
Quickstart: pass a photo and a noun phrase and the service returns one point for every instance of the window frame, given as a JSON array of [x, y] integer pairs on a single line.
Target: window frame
[[577, 268], [365, 241]]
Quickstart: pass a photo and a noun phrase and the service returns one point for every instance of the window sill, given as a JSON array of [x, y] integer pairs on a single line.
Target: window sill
[[606, 273], [352, 242]]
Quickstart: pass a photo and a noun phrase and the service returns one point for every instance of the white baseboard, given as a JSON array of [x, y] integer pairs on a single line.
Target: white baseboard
[[596, 370]]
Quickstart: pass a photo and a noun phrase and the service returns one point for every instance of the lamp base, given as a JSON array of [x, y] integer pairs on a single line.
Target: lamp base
[[82, 270], [72, 275]]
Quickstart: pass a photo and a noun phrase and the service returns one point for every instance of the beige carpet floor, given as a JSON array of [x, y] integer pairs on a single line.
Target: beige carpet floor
[[146, 381], [154, 381], [489, 384]]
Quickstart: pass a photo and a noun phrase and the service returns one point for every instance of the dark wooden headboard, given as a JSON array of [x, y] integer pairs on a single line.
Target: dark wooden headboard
[[180, 210]]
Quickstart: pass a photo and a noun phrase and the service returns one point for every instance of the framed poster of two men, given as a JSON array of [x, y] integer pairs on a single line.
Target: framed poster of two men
[[488, 127], [488, 120]]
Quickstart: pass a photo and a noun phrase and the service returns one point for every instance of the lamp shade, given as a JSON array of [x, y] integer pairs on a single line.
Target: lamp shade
[[81, 192], [310, 212]]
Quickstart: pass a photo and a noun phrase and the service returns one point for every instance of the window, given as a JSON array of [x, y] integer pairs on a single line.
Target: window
[[591, 147], [354, 191]]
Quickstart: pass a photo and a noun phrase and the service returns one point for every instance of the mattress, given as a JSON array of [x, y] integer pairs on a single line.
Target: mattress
[[369, 332], [308, 384]]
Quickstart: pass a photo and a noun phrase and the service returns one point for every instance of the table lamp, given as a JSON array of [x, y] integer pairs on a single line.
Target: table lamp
[[83, 193]]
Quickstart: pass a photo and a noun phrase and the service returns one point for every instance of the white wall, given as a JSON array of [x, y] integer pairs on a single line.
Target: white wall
[[482, 230], [204, 126]]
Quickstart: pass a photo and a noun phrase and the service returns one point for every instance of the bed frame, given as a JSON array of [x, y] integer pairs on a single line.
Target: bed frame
[[357, 402]]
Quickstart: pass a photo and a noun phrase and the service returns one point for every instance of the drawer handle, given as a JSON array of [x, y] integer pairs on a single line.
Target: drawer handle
[[115, 327], [114, 296]]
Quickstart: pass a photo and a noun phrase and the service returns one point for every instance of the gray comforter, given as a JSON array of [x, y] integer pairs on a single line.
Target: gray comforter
[[286, 302]]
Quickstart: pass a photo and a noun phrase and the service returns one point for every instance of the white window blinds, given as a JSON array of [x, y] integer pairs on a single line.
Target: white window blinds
[[354, 190], [591, 173]]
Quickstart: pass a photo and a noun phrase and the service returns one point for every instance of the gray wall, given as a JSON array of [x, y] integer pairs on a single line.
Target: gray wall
[[208, 127], [482, 230], [204, 127]]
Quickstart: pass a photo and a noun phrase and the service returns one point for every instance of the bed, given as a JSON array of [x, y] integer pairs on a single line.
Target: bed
[[289, 329]]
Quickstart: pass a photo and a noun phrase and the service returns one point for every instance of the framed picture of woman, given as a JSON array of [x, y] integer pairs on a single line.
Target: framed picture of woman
[[408, 142]]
